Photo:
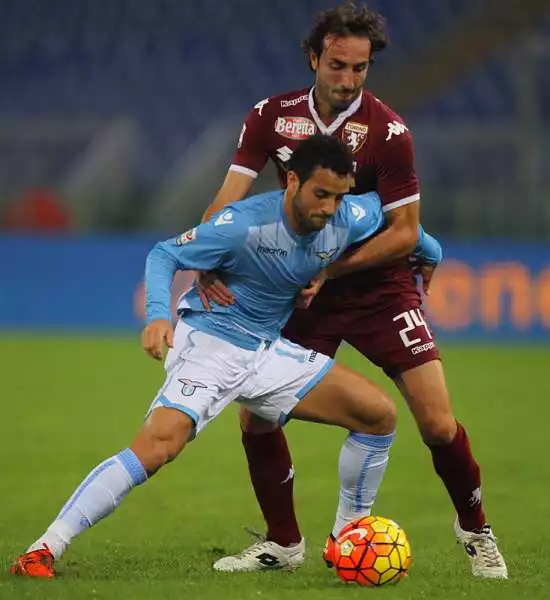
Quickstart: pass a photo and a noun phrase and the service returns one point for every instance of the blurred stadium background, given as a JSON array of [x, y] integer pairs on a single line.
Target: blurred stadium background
[[118, 120]]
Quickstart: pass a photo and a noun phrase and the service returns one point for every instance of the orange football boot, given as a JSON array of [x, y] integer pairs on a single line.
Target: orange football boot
[[328, 552], [38, 563]]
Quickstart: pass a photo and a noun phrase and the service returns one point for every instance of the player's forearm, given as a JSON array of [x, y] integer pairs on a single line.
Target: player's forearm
[[219, 202], [226, 194], [159, 273], [235, 187], [385, 247]]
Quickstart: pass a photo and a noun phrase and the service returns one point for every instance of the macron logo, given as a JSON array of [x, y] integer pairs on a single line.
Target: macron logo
[[225, 218], [271, 251]]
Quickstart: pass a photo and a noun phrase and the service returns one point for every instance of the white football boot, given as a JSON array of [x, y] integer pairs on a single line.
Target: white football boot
[[264, 555], [481, 547]]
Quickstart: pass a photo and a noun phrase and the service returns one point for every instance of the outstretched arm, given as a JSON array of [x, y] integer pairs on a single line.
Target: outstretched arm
[[250, 158], [203, 247], [397, 240], [160, 267], [427, 251], [235, 187], [399, 194], [159, 273]]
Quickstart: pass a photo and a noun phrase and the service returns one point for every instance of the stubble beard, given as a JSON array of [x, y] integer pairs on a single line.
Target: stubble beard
[[301, 220]]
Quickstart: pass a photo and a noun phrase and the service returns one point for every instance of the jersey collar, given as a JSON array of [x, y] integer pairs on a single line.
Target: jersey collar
[[330, 129]]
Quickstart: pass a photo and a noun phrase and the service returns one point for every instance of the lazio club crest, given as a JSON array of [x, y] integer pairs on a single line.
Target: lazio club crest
[[326, 255]]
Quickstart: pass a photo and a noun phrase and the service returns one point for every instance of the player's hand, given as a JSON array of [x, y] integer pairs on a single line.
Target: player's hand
[[426, 271], [305, 297], [212, 289], [155, 335]]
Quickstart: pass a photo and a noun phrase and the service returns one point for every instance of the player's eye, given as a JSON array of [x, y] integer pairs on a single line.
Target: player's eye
[[360, 68], [337, 66], [321, 194]]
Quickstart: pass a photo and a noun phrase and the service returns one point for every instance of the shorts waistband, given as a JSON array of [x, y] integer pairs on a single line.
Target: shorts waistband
[[237, 337]]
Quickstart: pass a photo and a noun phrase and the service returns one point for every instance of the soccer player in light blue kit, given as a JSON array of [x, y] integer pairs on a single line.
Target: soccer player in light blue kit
[[269, 248]]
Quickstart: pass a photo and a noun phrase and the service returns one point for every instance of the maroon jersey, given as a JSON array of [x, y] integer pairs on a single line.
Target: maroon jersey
[[383, 160]]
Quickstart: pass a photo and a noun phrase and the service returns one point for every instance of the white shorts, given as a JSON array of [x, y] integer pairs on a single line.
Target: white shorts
[[205, 373]]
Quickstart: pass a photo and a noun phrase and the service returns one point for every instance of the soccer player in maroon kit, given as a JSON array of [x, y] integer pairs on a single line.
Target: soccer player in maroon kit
[[372, 303]]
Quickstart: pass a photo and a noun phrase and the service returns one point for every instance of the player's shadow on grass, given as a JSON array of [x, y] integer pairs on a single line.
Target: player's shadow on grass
[[188, 566]]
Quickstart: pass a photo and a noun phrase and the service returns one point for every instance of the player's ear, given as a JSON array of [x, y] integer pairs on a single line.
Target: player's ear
[[292, 182], [313, 60]]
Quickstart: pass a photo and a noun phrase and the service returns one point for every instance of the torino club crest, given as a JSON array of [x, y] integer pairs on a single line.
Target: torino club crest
[[354, 135]]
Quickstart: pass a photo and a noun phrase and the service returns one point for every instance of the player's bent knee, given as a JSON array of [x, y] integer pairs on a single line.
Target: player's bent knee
[[346, 399], [438, 432], [162, 438], [388, 422], [251, 423], [378, 413], [386, 417]]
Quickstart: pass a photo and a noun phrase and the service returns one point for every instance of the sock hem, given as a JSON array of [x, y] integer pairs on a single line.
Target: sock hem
[[372, 439], [133, 466]]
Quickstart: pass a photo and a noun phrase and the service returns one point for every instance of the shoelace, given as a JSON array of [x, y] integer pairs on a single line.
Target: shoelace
[[261, 539], [487, 546], [256, 534]]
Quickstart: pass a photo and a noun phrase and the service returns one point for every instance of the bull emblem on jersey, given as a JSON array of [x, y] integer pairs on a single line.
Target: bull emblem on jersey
[[354, 135], [189, 386], [326, 255], [353, 140]]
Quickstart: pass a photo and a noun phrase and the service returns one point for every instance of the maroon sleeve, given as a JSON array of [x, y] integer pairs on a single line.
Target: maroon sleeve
[[397, 181], [252, 152]]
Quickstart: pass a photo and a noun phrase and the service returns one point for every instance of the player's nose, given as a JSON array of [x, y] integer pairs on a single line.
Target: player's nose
[[347, 80], [328, 213]]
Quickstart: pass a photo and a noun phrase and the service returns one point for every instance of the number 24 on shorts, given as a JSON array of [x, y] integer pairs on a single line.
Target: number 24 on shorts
[[413, 319]]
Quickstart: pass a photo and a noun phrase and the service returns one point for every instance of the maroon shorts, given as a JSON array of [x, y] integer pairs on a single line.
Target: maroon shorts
[[396, 338]]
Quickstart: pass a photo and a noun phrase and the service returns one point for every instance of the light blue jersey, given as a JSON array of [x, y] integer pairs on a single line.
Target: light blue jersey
[[264, 261]]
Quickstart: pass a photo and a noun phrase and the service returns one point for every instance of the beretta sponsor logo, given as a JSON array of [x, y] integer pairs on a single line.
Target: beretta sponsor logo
[[295, 128]]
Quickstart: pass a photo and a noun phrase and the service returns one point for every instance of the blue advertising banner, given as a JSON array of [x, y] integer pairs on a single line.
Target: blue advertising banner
[[492, 291], [64, 282], [483, 291]]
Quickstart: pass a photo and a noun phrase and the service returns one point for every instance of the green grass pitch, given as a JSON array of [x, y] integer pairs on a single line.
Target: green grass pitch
[[69, 402]]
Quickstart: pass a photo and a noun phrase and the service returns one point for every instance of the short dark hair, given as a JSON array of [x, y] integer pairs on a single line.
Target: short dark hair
[[320, 152], [344, 21]]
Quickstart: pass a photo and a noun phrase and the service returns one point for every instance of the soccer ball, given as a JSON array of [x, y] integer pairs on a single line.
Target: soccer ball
[[372, 551]]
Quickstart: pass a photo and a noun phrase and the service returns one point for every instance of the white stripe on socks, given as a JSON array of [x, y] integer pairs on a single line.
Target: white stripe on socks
[[361, 467], [95, 498]]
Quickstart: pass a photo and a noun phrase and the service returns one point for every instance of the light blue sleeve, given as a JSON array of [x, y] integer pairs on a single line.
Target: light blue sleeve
[[428, 249], [365, 216], [211, 245]]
